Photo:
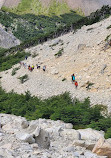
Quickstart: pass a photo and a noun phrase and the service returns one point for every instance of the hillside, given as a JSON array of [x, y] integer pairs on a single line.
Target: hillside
[[28, 27], [82, 54], [55, 6]]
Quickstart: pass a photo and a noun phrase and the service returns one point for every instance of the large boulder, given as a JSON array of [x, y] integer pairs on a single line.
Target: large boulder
[[102, 148], [43, 139], [25, 137], [90, 134], [70, 134], [84, 143]]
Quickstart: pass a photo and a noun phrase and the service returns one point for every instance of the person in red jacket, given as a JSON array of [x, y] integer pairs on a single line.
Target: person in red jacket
[[76, 84]]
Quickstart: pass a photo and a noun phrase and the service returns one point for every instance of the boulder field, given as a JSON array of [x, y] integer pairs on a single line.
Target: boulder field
[[43, 138]]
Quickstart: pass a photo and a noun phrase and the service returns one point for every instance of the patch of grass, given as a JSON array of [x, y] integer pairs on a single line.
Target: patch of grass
[[34, 55], [59, 53], [109, 27], [36, 7], [7, 60], [90, 29], [64, 79], [14, 71], [89, 84], [23, 78], [107, 38]]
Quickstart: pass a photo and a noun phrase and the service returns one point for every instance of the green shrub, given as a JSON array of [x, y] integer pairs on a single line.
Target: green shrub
[[64, 79], [109, 27], [89, 84], [7, 61], [23, 78], [61, 107], [34, 55], [108, 133], [59, 53], [15, 70]]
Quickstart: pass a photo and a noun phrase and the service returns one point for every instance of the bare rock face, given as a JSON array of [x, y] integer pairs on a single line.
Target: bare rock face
[[7, 40], [70, 134], [102, 148], [11, 3], [1, 3], [90, 134]]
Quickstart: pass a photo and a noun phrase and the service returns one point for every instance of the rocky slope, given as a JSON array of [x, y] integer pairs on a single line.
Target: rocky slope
[[7, 40], [42, 138], [83, 54], [88, 6]]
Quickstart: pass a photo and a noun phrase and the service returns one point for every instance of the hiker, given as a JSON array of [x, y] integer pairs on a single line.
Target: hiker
[[32, 66], [44, 68], [76, 84], [73, 78], [38, 66], [25, 65], [26, 57], [29, 68]]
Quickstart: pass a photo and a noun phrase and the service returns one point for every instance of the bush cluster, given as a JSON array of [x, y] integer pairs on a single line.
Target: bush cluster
[[8, 60], [61, 107]]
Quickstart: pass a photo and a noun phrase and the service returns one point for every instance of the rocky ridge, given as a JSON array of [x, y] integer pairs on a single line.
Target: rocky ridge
[[43, 138]]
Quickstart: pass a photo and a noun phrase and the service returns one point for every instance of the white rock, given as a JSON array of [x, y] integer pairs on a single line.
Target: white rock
[[24, 124], [70, 134], [90, 134], [25, 137], [69, 149]]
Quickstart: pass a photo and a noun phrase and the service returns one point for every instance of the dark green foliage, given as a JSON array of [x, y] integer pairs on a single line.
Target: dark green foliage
[[101, 124], [59, 53], [61, 107], [26, 27], [32, 29], [23, 78], [7, 61], [64, 79], [109, 27], [108, 133], [89, 84]]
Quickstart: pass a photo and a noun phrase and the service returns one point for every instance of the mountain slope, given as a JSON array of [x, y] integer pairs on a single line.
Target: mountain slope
[[50, 6], [82, 53]]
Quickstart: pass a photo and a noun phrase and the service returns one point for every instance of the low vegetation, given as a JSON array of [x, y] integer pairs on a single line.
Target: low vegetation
[[31, 30], [36, 7], [8, 60], [59, 53], [23, 78], [14, 71], [61, 107]]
